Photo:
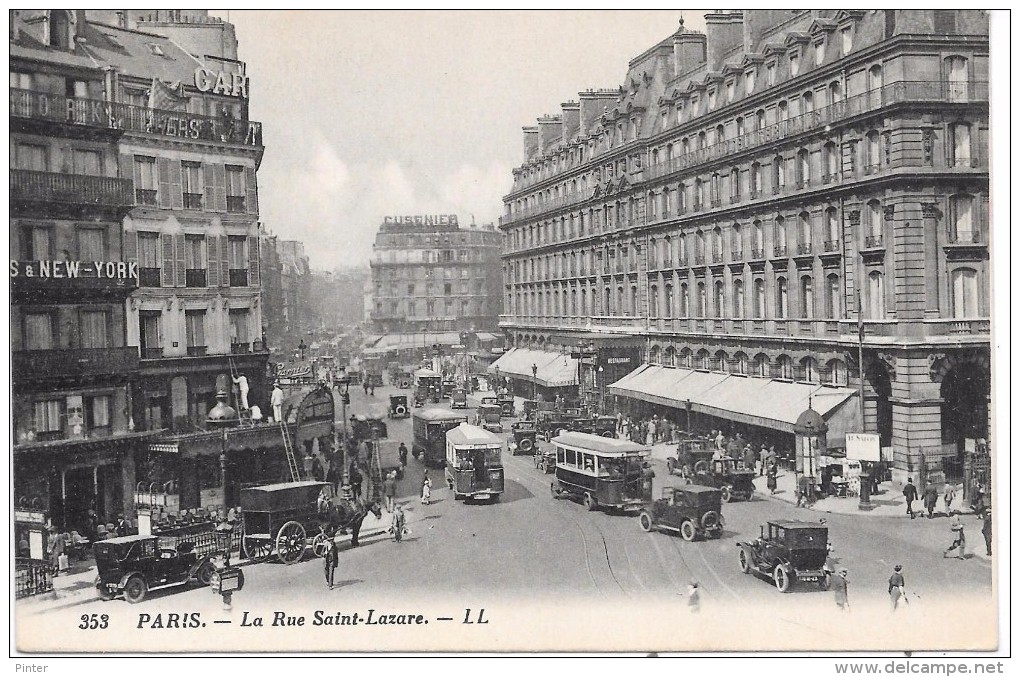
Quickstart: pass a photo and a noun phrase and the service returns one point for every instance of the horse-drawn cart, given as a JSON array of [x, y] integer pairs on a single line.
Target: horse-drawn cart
[[278, 517]]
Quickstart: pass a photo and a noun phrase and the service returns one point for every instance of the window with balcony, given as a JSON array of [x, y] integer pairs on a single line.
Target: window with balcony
[[874, 215], [149, 261], [146, 181], [92, 326], [39, 331], [758, 232], [755, 180], [86, 162], [31, 157], [37, 243], [831, 230], [736, 242], [833, 293], [759, 119], [735, 187], [240, 337], [959, 144], [717, 245], [191, 184], [237, 261], [194, 260], [803, 168], [876, 295], [964, 289], [48, 418], [780, 237], [778, 174], [783, 111], [782, 298], [235, 189], [808, 102], [804, 221], [830, 160], [194, 324], [958, 78], [961, 219], [148, 334]]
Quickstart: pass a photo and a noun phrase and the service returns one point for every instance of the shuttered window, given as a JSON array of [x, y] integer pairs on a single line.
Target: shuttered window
[[91, 244], [38, 331], [93, 329], [48, 416]]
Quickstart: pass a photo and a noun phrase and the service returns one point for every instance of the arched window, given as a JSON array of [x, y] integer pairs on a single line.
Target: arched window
[[685, 306], [653, 301], [807, 297], [60, 28], [654, 354], [759, 299], [607, 302], [755, 179], [585, 310], [833, 293], [702, 140], [720, 299], [958, 78], [810, 367], [761, 365], [804, 223], [837, 372], [681, 252], [876, 295], [633, 300], [961, 218], [875, 85], [783, 111], [668, 304], [965, 293], [717, 244], [778, 173], [699, 194], [686, 358], [808, 100], [669, 151], [735, 188], [835, 92], [702, 300], [874, 153], [959, 144], [668, 251], [831, 159], [736, 242], [714, 189], [740, 363], [704, 360], [722, 361], [670, 357], [720, 133], [784, 367], [759, 118], [758, 232], [621, 307], [740, 126], [738, 299], [874, 225], [701, 245], [685, 146], [803, 167], [782, 299], [781, 236]]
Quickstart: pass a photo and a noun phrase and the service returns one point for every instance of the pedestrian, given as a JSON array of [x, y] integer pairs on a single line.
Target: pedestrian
[[242, 386], [803, 488], [978, 502], [55, 543], [426, 489], [397, 525], [929, 497], [763, 458], [720, 440], [771, 478], [839, 590], [693, 597], [333, 475], [330, 561], [390, 491], [122, 526], [949, 497], [276, 401], [910, 493], [402, 451], [647, 474], [897, 587], [986, 531], [960, 540], [356, 478]]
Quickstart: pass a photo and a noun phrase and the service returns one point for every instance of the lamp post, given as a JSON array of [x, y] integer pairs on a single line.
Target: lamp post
[[534, 381], [343, 384], [227, 578], [223, 416], [498, 382], [302, 348]]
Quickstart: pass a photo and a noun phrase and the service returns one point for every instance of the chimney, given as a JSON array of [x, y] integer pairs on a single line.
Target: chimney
[[594, 103], [549, 129], [571, 119], [530, 142], [724, 31], [688, 51]]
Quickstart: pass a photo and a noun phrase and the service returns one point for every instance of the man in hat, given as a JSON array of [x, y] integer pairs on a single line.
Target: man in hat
[[839, 589], [960, 540], [897, 587], [390, 490], [276, 401], [910, 493], [330, 561]]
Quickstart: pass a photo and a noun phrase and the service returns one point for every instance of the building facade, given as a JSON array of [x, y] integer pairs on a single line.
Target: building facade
[[432, 277], [134, 246], [753, 200]]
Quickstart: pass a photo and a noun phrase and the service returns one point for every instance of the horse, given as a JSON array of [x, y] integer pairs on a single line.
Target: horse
[[349, 514]]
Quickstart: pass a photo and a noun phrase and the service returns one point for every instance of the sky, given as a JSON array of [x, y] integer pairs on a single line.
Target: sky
[[369, 114]]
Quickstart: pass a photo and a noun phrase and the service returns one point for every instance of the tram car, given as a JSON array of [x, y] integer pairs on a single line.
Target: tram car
[[600, 471], [430, 427], [474, 463]]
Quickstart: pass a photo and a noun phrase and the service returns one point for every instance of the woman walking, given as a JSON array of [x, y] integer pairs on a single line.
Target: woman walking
[[426, 489], [771, 475]]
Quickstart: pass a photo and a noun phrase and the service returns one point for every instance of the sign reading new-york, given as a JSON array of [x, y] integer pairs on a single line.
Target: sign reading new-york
[[111, 270], [422, 220], [230, 84]]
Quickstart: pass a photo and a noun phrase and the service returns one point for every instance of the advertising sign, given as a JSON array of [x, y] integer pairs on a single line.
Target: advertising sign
[[863, 447]]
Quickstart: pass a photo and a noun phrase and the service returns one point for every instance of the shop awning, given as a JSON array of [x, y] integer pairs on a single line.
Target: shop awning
[[554, 369], [755, 401], [412, 341]]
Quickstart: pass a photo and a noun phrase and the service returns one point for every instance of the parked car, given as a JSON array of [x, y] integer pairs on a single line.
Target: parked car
[[134, 565], [506, 404], [524, 434], [690, 511], [693, 455], [605, 426], [732, 482], [790, 551]]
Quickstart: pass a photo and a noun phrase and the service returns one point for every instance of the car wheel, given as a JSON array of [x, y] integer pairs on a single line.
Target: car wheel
[[526, 445], [645, 520], [687, 531], [135, 589], [204, 575], [701, 466], [589, 502], [670, 465], [727, 493], [781, 577], [745, 561]]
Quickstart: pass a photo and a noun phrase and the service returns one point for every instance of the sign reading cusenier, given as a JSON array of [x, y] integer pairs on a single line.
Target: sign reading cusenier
[[218, 82]]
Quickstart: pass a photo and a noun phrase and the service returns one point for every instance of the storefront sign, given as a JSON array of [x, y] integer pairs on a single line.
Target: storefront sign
[[218, 82], [422, 220], [29, 516], [863, 447], [108, 270], [618, 360]]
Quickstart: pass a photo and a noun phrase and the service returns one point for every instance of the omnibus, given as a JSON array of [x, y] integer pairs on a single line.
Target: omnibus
[[430, 426], [474, 464], [600, 471]]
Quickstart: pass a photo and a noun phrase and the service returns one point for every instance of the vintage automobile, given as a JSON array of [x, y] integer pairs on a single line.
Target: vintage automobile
[[474, 465], [134, 565], [427, 386], [524, 434], [601, 472], [551, 423], [488, 416], [458, 398], [791, 551], [447, 387], [545, 460], [693, 455], [723, 474], [690, 511], [398, 407], [506, 404], [605, 426]]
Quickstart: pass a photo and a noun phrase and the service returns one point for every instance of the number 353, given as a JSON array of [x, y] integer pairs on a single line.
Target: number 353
[[94, 622]]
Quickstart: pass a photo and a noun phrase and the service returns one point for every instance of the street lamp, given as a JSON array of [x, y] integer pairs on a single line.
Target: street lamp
[[534, 381], [227, 578], [223, 416], [302, 347], [343, 383]]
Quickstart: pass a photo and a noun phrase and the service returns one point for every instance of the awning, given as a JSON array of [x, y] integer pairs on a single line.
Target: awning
[[487, 336], [413, 341], [756, 401], [554, 369]]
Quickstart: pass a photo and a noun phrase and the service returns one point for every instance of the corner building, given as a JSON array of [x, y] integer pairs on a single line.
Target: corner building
[[753, 199]]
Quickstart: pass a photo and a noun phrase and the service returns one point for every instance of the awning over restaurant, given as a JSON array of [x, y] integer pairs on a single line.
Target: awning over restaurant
[[554, 369], [755, 401]]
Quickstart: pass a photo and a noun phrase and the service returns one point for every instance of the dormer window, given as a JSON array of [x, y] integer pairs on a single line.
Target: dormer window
[[794, 64], [679, 112], [770, 73], [59, 28], [711, 99], [846, 40], [731, 90], [820, 52], [749, 81]]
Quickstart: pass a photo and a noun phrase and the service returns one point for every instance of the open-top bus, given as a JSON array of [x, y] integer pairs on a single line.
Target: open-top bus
[[430, 426], [474, 463], [600, 471]]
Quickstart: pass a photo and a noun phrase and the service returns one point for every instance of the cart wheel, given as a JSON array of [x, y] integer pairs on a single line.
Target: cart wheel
[[135, 589], [589, 502], [687, 531], [257, 549], [645, 520], [319, 544], [781, 578], [745, 562], [290, 542], [727, 493], [670, 465], [204, 575]]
